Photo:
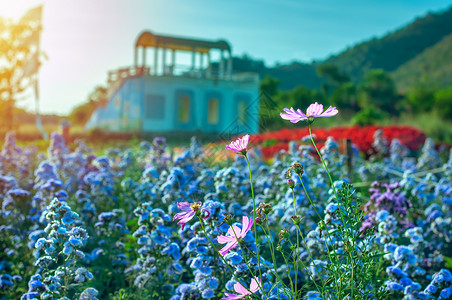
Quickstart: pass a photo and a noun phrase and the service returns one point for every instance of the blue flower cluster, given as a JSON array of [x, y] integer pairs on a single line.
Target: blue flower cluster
[[122, 240], [61, 236]]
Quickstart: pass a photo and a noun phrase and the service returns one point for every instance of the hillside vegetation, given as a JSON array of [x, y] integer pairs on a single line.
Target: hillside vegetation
[[393, 50], [424, 46], [432, 67]]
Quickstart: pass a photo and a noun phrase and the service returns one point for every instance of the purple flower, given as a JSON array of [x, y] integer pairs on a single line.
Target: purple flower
[[188, 212], [314, 111], [240, 144], [243, 292], [235, 235]]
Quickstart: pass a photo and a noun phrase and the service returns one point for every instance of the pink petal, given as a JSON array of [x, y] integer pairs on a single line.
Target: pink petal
[[183, 205], [245, 222], [231, 296], [314, 110], [292, 115], [207, 211], [239, 144], [223, 239], [331, 111], [180, 215], [255, 283], [186, 219], [246, 229], [234, 231], [245, 140], [228, 247], [239, 288]]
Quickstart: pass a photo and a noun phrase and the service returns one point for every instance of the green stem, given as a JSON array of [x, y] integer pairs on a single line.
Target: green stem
[[272, 251], [249, 268], [254, 217], [313, 262], [288, 270], [221, 256], [340, 210], [325, 231], [298, 245]]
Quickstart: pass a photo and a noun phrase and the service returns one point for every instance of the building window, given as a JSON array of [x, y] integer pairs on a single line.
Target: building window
[[242, 111], [213, 111], [117, 102], [183, 115], [154, 107]]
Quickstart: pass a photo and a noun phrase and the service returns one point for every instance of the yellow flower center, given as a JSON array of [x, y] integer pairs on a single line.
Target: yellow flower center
[[195, 206]]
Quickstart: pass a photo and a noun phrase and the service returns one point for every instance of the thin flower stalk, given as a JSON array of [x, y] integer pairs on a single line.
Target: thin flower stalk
[[246, 262], [298, 230], [340, 210], [216, 251], [254, 217], [325, 231]]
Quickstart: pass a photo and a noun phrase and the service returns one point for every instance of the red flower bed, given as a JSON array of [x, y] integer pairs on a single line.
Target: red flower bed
[[362, 137]]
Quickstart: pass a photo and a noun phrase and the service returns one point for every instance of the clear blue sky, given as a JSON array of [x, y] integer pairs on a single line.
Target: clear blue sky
[[85, 38]]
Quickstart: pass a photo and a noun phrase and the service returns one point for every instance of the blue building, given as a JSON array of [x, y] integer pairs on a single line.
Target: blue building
[[190, 86]]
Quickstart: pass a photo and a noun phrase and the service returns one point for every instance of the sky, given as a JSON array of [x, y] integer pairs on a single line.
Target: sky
[[84, 39]]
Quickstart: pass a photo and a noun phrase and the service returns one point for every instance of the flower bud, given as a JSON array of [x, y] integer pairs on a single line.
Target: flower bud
[[267, 208], [297, 168], [291, 183], [228, 219], [296, 220], [284, 233]]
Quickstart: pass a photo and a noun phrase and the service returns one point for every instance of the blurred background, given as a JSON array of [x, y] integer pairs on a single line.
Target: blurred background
[[81, 66]]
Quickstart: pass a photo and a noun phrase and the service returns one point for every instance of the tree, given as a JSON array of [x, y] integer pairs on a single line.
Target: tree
[[19, 62], [443, 103], [269, 85], [344, 96], [421, 98], [378, 89], [267, 105], [332, 73]]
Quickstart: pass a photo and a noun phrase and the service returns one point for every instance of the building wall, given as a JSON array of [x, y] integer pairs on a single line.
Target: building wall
[[159, 104]]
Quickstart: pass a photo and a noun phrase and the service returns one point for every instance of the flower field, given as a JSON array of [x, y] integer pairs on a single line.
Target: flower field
[[137, 224]]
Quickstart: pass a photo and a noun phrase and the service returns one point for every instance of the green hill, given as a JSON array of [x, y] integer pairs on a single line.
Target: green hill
[[395, 52], [396, 48], [433, 66], [290, 75]]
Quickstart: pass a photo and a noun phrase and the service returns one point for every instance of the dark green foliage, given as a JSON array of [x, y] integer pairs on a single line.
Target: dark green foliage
[[369, 116], [443, 102], [378, 89], [345, 96], [296, 73], [397, 48], [421, 98], [273, 101], [332, 73], [432, 67]]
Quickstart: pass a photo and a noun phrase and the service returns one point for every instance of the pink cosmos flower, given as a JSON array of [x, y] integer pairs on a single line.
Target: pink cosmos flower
[[314, 110], [235, 234], [240, 144], [243, 292], [188, 212]]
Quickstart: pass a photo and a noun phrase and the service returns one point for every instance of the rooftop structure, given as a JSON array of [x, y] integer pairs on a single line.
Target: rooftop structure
[[167, 94]]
